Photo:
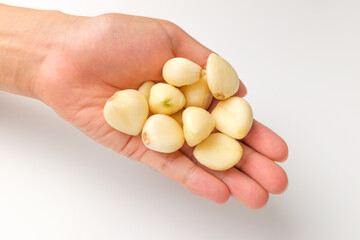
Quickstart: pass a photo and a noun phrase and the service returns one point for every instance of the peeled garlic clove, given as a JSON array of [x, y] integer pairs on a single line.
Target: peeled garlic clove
[[178, 117], [181, 71], [218, 152], [166, 99], [197, 94], [126, 111], [162, 133], [234, 117], [198, 124], [222, 79], [145, 88]]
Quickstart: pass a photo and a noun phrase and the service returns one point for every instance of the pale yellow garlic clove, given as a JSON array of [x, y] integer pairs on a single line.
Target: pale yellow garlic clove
[[218, 152], [145, 88], [234, 117], [162, 133], [126, 111], [165, 99], [198, 124], [197, 94], [222, 79], [178, 117], [181, 71]]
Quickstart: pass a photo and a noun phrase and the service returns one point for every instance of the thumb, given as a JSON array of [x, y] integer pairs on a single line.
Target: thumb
[[183, 45]]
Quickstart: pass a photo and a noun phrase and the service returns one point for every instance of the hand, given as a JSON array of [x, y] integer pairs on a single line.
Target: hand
[[99, 56]]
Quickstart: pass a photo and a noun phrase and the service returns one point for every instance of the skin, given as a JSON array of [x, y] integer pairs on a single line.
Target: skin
[[74, 64]]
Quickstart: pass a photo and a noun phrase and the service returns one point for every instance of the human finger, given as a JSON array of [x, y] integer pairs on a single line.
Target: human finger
[[242, 187], [263, 170], [266, 142], [181, 169]]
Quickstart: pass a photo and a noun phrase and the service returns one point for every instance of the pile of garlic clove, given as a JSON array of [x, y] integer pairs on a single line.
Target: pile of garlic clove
[[172, 113]]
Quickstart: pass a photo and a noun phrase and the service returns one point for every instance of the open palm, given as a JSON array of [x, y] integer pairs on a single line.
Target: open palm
[[99, 56]]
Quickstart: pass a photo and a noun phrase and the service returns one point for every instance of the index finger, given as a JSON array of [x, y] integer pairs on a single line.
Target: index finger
[[266, 142]]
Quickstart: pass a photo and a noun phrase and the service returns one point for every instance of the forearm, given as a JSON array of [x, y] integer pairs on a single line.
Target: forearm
[[26, 37]]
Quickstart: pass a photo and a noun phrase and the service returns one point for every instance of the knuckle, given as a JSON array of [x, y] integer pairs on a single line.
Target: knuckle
[[187, 176], [165, 165]]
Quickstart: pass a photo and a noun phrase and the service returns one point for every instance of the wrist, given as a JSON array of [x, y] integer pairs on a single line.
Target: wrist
[[27, 36]]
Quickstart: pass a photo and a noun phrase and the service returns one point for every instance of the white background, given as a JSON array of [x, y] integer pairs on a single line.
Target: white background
[[301, 63]]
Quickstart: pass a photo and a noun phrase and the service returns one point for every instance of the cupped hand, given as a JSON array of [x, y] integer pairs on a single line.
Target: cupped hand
[[99, 56]]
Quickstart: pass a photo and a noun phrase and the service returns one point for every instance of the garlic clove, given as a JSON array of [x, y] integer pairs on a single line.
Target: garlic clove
[[162, 133], [165, 99], [218, 152], [126, 111], [181, 71], [234, 117], [197, 94], [178, 117], [198, 124], [222, 79], [145, 88]]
